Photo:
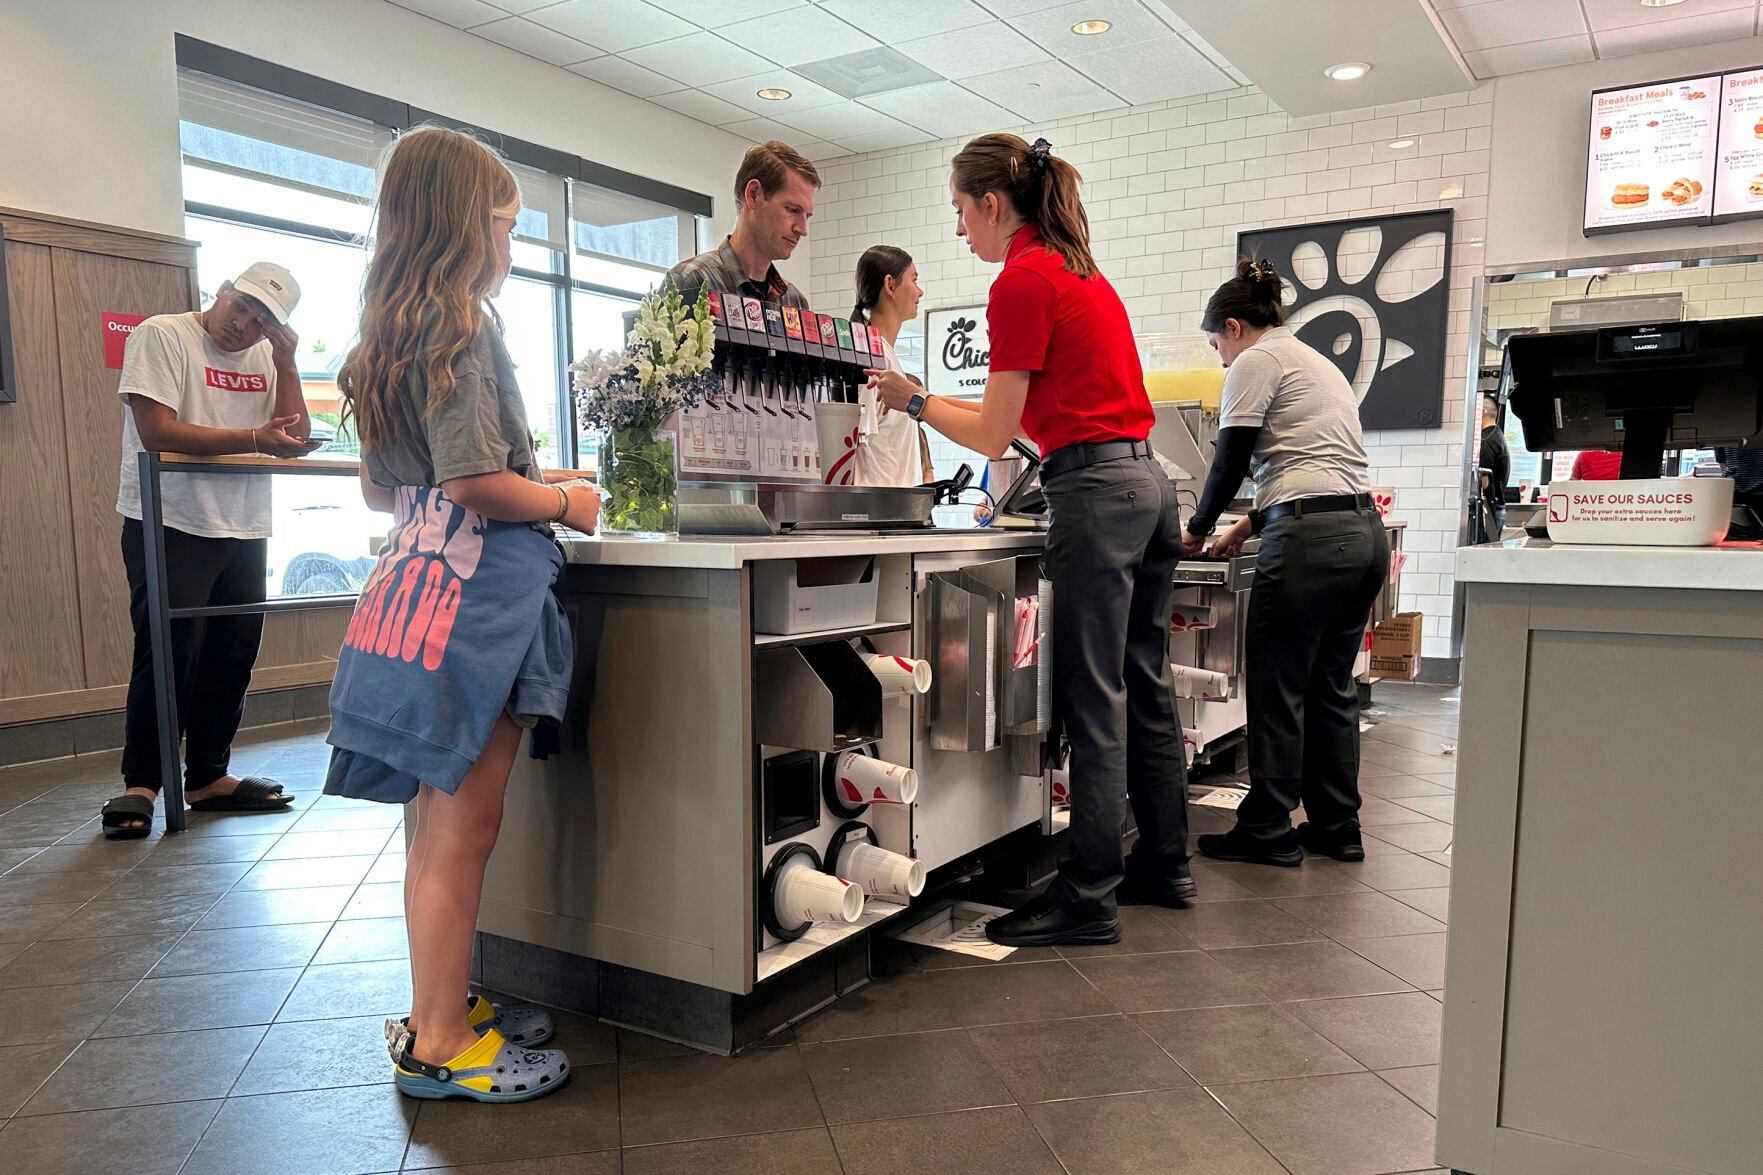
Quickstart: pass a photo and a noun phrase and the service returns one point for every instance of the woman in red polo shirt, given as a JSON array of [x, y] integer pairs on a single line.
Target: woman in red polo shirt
[[1065, 371]]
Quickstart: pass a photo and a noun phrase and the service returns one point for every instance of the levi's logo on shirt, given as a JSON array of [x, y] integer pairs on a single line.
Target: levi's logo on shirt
[[236, 381]]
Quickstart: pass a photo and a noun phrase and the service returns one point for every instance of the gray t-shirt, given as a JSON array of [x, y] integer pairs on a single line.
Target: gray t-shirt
[[480, 427], [1310, 443]]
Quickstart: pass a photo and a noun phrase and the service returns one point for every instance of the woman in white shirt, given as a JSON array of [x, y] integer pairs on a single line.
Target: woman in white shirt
[[890, 450]]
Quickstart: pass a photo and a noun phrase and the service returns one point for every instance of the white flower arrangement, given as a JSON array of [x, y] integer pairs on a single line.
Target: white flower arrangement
[[665, 365]]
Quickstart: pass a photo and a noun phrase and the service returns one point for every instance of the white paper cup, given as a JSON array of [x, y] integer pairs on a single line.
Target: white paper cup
[[805, 894], [835, 428], [881, 873], [863, 780], [899, 675]]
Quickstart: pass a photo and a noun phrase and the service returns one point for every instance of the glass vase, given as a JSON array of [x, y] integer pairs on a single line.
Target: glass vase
[[642, 476]]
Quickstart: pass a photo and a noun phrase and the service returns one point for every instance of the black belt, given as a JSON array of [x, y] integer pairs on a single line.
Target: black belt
[[1328, 504], [1090, 453]]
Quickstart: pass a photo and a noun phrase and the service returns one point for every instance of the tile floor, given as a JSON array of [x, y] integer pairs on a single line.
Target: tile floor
[[211, 1003]]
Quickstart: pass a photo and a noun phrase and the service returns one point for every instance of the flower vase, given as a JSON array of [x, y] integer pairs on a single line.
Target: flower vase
[[642, 477]]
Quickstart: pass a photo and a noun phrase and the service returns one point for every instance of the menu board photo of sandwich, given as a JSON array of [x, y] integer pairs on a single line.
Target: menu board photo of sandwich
[[1738, 176], [1652, 155]]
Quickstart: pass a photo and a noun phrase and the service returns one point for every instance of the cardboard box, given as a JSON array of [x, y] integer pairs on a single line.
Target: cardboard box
[[1395, 647]]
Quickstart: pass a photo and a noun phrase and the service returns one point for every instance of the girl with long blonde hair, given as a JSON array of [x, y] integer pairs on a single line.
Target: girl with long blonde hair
[[457, 642]]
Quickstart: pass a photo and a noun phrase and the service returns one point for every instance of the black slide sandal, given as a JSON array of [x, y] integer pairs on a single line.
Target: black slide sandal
[[121, 808], [255, 793]]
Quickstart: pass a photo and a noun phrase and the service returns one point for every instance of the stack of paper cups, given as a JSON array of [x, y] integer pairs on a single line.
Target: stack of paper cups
[[805, 894], [1191, 682], [863, 780], [881, 873], [899, 675]]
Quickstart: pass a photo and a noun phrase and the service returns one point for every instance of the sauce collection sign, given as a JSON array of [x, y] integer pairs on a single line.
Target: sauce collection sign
[[957, 350]]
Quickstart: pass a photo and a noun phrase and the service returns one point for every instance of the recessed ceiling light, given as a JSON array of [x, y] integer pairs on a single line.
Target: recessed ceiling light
[[1401, 144], [1090, 28], [1659, 3], [774, 95], [1347, 71]]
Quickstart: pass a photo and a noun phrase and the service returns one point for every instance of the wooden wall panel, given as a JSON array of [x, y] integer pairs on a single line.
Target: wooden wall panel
[[39, 624], [86, 285]]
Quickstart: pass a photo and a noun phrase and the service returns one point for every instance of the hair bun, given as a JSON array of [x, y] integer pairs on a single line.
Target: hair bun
[[1264, 280]]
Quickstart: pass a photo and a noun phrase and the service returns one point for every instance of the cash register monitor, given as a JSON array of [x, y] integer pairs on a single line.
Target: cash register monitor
[[1640, 389], [1024, 498]]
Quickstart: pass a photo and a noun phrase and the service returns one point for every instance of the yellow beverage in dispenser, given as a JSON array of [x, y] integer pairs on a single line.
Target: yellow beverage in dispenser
[[1182, 385]]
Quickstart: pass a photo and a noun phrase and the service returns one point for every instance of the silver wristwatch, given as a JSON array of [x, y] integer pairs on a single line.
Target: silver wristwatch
[[915, 406]]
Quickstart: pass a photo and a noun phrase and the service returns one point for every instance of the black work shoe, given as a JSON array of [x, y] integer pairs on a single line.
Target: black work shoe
[[1040, 923], [1343, 844], [1176, 890], [1235, 846]]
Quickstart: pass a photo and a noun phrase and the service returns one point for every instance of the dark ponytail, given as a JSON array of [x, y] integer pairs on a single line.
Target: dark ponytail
[[1252, 297], [878, 263], [1040, 186]]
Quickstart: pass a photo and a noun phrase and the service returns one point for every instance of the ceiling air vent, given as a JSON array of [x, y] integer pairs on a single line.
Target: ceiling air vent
[[873, 71]]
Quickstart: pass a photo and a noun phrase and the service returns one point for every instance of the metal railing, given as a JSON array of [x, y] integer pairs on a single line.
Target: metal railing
[[160, 615]]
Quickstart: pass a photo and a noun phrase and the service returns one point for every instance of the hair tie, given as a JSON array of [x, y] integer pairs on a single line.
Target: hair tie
[[1263, 270], [1039, 153]]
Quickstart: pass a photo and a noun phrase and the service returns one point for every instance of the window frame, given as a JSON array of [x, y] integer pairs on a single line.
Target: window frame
[[281, 82]]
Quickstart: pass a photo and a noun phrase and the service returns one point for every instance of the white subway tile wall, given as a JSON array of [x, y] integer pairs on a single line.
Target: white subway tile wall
[[1709, 291], [1168, 186]]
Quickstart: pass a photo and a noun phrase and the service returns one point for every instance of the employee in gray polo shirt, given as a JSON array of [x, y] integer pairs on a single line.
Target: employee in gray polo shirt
[[1291, 420]]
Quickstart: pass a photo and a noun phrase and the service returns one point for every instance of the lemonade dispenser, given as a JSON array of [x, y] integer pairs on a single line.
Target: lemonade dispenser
[[1180, 367]]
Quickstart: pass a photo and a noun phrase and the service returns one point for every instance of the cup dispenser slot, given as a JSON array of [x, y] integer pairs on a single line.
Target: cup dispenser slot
[[819, 697], [981, 695], [790, 800]]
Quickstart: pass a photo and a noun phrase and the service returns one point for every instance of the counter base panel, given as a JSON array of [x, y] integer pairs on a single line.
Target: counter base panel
[[704, 1018], [1604, 947]]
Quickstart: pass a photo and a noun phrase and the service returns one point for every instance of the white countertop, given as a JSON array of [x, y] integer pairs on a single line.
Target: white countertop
[[727, 552], [1537, 561]]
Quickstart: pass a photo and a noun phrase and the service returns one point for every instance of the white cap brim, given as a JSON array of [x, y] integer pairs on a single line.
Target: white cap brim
[[272, 303]]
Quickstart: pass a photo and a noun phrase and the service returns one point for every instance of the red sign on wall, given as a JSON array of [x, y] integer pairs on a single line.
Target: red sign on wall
[[117, 328]]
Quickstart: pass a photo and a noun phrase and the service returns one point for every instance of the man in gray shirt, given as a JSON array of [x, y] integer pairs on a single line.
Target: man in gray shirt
[[775, 187]]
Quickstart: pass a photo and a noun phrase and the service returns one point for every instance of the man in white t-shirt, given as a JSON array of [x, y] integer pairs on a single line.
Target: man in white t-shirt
[[217, 381]]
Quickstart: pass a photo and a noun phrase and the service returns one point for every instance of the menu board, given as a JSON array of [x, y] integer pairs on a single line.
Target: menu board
[[1651, 161], [1738, 177]]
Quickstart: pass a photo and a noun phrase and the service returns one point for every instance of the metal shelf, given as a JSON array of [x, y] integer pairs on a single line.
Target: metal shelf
[[829, 634]]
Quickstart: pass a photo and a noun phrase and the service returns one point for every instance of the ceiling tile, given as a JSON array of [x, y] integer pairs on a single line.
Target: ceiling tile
[[790, 38], [886, 140], [1051, 30], [1008, 8], [822, 152], [984, 48], [614, 25], [744, 92], [701, 106], [715, 13], [1617, 14], [843, 121], [702, 59], [1513, 22], [461, 14], [945, 110], [1488, 63], [760, 129], [524, 36], [1154, 69], [897, 20], [520, 6], [1050, 89], [1676, 34], [622, 75]]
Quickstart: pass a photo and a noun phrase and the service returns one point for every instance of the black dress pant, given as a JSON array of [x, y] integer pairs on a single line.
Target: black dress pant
[[1111, 555], [1316, 580], [211, 656]]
